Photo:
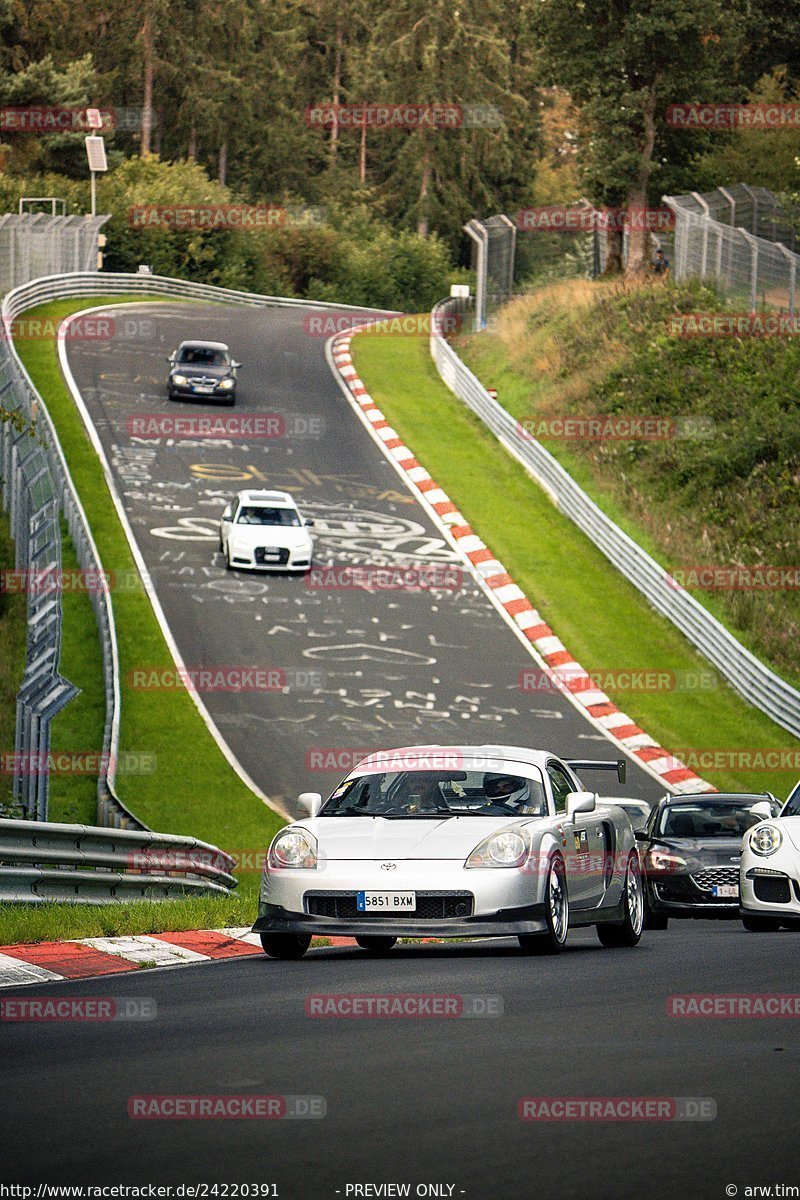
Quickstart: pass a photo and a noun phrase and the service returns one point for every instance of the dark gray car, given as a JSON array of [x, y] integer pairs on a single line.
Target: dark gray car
[[690, 851], [202, 371]]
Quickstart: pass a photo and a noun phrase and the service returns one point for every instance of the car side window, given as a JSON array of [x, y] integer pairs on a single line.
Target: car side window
[[561, 784]]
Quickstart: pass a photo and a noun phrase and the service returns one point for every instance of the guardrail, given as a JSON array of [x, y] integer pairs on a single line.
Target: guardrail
[[37, 486], [751, 678], [84, 864]]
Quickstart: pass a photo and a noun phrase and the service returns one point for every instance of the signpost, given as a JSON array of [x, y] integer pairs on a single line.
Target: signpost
[[96, 154]]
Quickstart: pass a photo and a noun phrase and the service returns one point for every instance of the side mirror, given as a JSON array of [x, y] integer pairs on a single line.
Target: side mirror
[[171, 358], [308, 521], [641, 835], [226, 513], [311, 802], [762, 810], [235, 364], [581, 802]]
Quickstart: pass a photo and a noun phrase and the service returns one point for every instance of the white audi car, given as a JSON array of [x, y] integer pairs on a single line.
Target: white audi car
[[769, 875], [463, 841], [261, 530]]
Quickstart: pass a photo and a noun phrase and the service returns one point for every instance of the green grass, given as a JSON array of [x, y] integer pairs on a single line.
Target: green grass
[[13, 626], [602, 349], [600, 617], [193, 790], [62, 922]]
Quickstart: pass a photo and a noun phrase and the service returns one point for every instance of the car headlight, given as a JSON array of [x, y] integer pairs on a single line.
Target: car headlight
[[508, 848], [663, 862], [180, 380], [765, 839], [225, 383], [293, 848]]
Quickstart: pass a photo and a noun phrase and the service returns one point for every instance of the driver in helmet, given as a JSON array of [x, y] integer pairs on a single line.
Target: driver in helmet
[[508, 794]]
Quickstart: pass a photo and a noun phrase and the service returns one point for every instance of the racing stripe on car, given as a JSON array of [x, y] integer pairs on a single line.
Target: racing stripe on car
[[568, 672]]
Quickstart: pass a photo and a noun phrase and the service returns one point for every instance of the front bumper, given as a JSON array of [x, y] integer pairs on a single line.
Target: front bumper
[[240, 563], [288, 558], [770, 887], [185, 392], [678, 897], [501, 903], [505, 923]]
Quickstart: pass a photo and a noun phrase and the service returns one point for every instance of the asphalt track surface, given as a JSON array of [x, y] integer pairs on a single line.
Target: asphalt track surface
[[409, 1102], [364, 669], [419, 1101]]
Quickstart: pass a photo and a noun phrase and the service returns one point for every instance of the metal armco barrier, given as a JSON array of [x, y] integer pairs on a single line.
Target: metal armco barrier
[[86, 864], [758, 685]]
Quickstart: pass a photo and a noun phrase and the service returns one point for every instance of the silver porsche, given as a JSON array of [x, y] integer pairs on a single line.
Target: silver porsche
[[462, 841]]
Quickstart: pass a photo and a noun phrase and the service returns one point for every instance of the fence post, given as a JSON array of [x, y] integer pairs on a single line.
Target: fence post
[[481, 239], [701, 200], [792, 260], [753, 244]]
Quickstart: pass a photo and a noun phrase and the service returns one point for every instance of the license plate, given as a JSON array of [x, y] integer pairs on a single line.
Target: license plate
[[386, 901], [202, 388], [272, 554], [725, 891]]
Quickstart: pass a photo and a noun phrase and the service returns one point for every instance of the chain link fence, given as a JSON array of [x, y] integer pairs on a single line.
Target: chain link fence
[[30, 498], [35, 244], [494, 252], [505, 250], [742, 238]]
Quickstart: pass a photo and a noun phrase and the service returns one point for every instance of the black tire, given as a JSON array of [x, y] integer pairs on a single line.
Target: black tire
[[376, 943], [288, 946], [629, 931], [760, 924], [228, 562], [556, 914]]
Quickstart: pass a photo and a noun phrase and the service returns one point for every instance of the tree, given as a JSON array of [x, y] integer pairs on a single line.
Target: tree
[[624, 61], [475, 57]]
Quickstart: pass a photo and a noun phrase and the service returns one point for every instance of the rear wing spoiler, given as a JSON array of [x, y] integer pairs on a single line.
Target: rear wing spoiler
[[598, 764]]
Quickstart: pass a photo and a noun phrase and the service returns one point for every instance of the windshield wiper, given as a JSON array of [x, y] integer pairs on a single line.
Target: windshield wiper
[[354, 812], [416, 816]]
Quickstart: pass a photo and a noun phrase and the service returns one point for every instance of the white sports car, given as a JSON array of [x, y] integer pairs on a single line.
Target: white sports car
[[769, 875], [260, 530], [463, 841]]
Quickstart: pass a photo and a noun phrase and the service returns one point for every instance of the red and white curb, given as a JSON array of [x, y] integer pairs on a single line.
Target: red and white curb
[[542, 643], [87, 958]]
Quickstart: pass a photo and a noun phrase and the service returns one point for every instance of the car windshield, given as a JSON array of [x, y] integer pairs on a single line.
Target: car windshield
[[420, 795], [259, 514], [792, 808], [202, 356], [708, 820]]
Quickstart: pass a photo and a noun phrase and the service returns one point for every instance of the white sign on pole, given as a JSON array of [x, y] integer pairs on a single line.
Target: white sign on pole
[[96, 153], [94, 119]]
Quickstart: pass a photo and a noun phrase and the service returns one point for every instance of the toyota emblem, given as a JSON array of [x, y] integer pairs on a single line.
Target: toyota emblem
[[388, 866]]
